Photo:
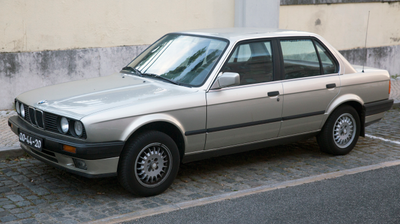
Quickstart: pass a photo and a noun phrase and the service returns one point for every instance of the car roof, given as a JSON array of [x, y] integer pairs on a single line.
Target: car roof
[[242, 33]]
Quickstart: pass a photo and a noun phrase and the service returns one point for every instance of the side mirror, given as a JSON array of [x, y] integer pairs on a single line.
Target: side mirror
[[226, 79]]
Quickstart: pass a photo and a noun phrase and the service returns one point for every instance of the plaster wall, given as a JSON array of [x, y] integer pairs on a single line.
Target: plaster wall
[[345, 25], [37, 25], [45, 42], [24, 71]]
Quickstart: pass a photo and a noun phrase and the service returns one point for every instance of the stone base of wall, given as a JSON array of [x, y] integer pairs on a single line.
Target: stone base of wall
[[387, 58], [20, 72]]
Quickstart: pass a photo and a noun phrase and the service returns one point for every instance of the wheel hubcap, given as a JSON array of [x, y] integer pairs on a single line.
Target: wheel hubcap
[[153, 164], [344, 130]]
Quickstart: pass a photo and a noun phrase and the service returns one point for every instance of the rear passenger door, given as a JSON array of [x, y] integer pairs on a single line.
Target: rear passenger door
[[310, 83]]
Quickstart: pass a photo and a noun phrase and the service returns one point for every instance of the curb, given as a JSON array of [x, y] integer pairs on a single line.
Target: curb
[[11, 152]]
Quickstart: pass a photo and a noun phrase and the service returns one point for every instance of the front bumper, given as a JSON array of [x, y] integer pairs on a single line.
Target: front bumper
[[101, 158]]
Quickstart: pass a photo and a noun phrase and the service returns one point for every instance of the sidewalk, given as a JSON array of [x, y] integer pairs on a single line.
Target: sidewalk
[[9, 144]]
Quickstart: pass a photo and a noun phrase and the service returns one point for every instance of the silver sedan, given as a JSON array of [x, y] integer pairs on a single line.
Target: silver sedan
[[198, 94]]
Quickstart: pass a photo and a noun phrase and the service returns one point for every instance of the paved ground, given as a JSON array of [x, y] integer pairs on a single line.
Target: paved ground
[[32, 192], [7, 138], [364, 197]]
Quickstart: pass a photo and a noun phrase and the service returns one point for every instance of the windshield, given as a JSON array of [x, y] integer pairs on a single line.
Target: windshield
[[183, 59]]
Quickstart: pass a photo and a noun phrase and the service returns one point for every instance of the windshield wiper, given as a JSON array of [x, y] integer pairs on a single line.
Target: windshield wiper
[[137, 72], [131, 69], [160, 77]]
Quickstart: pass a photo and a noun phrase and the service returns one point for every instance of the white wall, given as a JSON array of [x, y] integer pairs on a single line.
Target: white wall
[[37, 25], [344, 25], [45, 42]]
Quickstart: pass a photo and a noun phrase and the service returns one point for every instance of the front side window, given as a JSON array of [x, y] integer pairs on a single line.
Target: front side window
[[253, 62], [183, 59]]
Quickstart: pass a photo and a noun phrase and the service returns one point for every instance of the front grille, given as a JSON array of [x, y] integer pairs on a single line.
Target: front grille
[[39, 118], [46, 121], [50, 122], [27, 117], [32, 115]]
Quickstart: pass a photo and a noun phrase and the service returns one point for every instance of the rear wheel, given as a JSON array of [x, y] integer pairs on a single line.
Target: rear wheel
[[340, 132], [149, 164]]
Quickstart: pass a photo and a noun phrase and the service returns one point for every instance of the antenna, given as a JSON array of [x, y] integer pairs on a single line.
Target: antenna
[[365, 46]]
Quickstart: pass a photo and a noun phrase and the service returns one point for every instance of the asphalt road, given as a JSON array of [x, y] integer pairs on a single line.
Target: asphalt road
[[367, 197]]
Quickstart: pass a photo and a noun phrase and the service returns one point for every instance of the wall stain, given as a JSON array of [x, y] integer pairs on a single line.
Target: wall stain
[[395, 39], [10, 65], [317, 22], [377, 57]]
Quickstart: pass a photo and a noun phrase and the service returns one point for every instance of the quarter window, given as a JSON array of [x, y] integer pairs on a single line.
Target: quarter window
[[253, 62], [328, 65]]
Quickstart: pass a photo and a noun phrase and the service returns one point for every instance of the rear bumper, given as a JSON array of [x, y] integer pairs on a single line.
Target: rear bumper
[[101, 159], [375, 111], [378, 107]]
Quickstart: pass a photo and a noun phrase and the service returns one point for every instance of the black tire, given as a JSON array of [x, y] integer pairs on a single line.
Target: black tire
[[340, 132], [139, 169]]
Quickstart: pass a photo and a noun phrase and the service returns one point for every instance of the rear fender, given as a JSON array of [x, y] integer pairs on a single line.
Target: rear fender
[[352, 100]]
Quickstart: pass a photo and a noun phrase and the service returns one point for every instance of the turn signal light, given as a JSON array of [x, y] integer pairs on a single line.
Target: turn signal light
[[68, 148], [390, 85]]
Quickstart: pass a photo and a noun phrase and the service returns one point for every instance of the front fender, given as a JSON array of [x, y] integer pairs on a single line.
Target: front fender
[[151, 118]]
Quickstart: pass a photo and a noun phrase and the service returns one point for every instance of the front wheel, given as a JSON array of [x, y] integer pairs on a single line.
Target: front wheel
[[340, 132], [149, 164]]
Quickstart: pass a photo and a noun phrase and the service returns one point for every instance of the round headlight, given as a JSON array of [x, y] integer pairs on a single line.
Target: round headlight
[[17, 107], [64, 125], [78, 127], [22, 109]]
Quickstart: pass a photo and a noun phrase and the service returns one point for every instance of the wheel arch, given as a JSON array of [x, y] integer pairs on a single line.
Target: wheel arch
[[352, 100], [163, 125]]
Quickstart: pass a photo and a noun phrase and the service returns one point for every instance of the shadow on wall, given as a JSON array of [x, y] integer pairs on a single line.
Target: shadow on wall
[[20, 72]]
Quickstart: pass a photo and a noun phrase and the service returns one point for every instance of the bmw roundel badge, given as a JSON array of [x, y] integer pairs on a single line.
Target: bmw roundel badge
[[42, 102]]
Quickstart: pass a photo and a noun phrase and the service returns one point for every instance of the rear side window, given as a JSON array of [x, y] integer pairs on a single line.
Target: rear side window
[[302, 58], [253, 62]]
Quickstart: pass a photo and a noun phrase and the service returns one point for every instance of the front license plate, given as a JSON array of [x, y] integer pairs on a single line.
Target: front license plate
[[30, 140]]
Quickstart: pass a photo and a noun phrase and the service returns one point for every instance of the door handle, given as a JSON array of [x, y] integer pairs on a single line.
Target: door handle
[[274, 93], [330, 86]]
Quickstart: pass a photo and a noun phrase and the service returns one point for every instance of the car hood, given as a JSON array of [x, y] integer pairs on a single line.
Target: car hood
[[80, 98]]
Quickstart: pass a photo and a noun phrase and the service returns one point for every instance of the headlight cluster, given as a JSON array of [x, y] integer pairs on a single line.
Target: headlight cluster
[[19, 107], [49, 121], [70, 126]]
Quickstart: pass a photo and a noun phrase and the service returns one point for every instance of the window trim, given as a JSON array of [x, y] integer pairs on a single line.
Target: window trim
[[313, 40]]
